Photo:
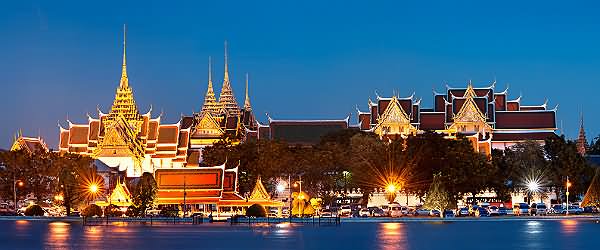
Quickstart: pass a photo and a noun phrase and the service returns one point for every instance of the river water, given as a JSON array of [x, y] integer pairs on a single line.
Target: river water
[[499, 234]]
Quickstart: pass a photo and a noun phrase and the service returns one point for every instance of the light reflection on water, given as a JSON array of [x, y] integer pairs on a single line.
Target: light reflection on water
[[569, 226], [392, 236], [521, 234], [58, 235]]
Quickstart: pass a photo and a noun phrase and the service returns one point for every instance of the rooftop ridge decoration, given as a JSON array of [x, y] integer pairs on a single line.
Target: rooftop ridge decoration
[[226, 98]]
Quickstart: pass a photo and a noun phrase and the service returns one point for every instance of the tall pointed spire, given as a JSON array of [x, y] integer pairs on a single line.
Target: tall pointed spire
[[210, 102], [581, 140], [226, 98], [226, 76], [124, 103], [247, 106], [124, 81]]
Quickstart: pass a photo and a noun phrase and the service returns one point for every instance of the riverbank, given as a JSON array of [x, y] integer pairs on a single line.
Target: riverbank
[[315, 220]]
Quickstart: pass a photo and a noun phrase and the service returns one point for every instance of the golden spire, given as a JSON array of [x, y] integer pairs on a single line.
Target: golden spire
[[226, 77], [210, 102], [247, 105], [124, 103], [227, 98], [124, 81]]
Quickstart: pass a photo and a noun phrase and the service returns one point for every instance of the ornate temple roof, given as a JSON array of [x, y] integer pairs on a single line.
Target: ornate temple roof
[[259, 193], [227, 98]]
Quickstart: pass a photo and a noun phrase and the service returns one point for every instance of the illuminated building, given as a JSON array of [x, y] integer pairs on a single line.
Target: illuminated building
[[28, 144], [136, 143], [484, 116], [124, 140]]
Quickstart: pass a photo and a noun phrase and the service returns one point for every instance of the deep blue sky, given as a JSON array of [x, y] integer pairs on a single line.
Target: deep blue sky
[[306, 59]]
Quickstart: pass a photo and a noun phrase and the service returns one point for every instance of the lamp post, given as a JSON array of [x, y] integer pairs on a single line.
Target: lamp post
[[15, 183], [568, 185]]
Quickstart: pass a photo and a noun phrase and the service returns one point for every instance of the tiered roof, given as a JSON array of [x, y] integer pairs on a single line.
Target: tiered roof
[[211, 105], [226, 98]]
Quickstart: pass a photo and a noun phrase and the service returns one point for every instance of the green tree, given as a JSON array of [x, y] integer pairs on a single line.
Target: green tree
[[12, 168], [564, 160], [144, 193], [73, 172], [437, 196]]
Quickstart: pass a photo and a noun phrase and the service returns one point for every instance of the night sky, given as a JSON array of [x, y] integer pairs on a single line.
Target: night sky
[[306, 59]]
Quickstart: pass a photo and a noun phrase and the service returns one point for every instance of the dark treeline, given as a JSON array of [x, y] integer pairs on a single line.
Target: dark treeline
[[353, 159]]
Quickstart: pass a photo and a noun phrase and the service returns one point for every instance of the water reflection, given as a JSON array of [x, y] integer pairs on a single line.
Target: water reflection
[[392, 236], [568, 226], [58, 235]]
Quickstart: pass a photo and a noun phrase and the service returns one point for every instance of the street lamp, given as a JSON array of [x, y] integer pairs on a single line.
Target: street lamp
[[15, 184], [568, 185]]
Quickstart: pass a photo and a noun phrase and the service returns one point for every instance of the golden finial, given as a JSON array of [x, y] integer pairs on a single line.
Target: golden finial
[[247, 105], [124, 81], [226, 63], [210, 70]]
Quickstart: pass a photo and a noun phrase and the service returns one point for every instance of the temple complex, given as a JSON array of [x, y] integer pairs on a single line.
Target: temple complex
[[488, 118], [133, 143]]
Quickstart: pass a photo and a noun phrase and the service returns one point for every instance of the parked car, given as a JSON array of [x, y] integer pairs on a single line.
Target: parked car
[[345, 210], [448, 213], [557, 209], [503, 211], [364, 212], [395, 210], [463, 211], [538, 209], [590, 209], [404, 210], [327, 213], [520, 209], [434, 213], [422, 212], [378, 212], [493, 211], [573, 210], [481, 212]]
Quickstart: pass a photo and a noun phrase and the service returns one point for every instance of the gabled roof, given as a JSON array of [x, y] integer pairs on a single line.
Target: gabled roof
[[120, 196], [259, 193], [394, 114]]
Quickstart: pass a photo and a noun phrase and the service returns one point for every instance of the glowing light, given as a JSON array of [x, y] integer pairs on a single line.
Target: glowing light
[[391, 188], [280, 187], [59, 197], [533, 186], [93, 188], [20, 183], [301, 197], [569, 184]]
